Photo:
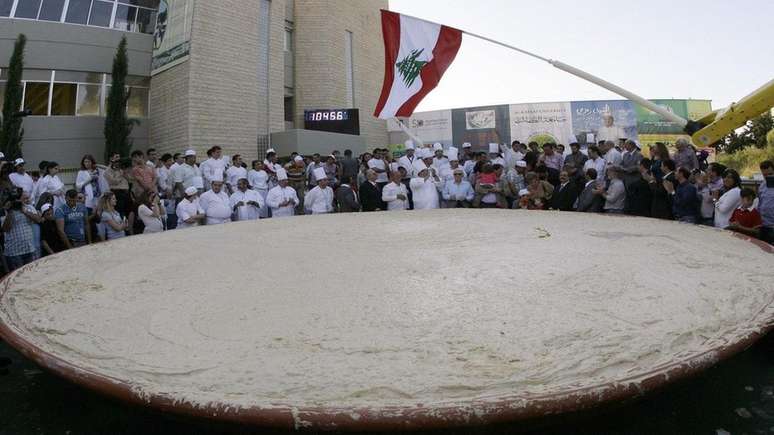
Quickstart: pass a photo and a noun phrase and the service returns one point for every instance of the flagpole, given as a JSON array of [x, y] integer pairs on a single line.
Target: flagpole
[[582, 74]]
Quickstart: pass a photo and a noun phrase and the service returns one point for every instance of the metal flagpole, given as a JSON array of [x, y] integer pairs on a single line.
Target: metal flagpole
[[582, 74]]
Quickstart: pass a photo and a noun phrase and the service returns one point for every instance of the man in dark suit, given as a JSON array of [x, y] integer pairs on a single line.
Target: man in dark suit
[[662, 201], [639, 197], [566, 194], [346, 197], [588, 201], [370, 196]]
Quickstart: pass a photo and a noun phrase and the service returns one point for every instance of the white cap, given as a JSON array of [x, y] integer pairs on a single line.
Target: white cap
[[319, 174], [271, 150], [521, 164], [46, 207], [2, 156], [437, 146], [282, 174], [217, 178], [409, 144], [494, 148], [523, 192], [18, 162], [191, 191], [419, 166], [190, 153], [298, 159], [453, 154], [467, 145]]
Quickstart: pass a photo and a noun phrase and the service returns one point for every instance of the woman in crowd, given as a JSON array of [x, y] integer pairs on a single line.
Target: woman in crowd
[[89, 182], [50, 183], [115, 225], [716, 184], [730, 200], [118, 183], [658, 154], [707, 208], [151, 212], [538, 194], [332, 171], [50, 241]]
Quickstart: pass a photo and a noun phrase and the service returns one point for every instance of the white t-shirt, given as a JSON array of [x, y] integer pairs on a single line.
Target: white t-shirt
[[152, 224], [379, 164]]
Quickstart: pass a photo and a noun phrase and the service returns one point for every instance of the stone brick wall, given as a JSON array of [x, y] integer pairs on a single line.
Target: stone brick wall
[[321, 65], [169, 117]]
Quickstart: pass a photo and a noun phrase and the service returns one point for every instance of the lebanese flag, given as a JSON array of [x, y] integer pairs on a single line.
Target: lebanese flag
[[416, 53]]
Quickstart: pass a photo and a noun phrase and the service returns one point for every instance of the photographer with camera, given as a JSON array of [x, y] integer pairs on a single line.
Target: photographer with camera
[[18, 227]]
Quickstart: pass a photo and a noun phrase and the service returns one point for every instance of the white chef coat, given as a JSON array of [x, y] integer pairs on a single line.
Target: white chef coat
[[247, 212], [379, 164], [598, 164], [278, 195], [408, 164], [22, 181], [186, 210], [215, 206], [390, 196], [319, 200], [211, 168], [190, 176], [440, 164], [425, 193], [54, 186], [233, 174], [613, 157]]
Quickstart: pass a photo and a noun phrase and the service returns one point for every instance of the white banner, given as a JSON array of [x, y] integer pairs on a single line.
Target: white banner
[[542, 122], [172, 38], [429, 126]]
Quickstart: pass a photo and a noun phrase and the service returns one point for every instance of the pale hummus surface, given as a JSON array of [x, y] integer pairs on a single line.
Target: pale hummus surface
[[382, 309]]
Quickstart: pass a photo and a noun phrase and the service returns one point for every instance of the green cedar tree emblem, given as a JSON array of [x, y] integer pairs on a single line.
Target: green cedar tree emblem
[[410, 67]]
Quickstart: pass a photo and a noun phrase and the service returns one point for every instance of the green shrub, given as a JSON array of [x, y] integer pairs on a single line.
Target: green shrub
[[748, 160]]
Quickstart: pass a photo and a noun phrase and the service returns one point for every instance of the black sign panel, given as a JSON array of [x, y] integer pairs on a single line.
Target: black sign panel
[[346, 121]]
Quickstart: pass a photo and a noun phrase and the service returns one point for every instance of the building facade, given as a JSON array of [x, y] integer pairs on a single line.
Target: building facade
[[234, 73]]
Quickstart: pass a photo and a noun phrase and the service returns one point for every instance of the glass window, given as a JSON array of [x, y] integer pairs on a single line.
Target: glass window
[[100, 13], [288, 40], [125, 16], [27, 9], [146, 21], [137, 106], [78, 11], [88, 100], [152, 4], [51, 10], [63, 100], [36, 98], [5, 8]]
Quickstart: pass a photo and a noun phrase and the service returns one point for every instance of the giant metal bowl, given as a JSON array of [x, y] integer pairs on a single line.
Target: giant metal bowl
[[393, 320]]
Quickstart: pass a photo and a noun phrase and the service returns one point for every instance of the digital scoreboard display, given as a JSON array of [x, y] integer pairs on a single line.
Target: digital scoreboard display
[[346, 121]]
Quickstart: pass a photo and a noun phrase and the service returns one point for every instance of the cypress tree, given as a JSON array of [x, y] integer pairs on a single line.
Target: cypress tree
[[11, 132], [118, 126]]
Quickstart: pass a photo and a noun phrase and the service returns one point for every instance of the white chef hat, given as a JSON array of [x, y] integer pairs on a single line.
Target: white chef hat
[[46, 207], [271, 150], [282, 174], [409, 144], [521, 164], [190, 153], [217, 178], [319, 174], [453, 154], [191, 191], [419, 165], [523, 192], [437, 146], [298, 159], [494, 148], [428, 154], [467, 145], [18, 162]]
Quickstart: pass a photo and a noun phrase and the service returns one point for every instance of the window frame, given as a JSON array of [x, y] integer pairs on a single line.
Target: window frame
[[134, 28]]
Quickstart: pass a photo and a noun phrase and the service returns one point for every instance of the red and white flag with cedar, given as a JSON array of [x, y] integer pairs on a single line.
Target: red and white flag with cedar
[[417, 53]]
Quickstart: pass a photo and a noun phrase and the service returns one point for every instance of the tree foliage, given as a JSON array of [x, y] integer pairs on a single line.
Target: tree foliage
[[118, 127], [11, 132], [754, 134]]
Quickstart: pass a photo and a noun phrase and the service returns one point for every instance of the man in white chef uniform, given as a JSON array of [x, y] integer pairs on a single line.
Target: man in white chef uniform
[[246, 203], [188, 212], [282, 199], [425, 187], [320, 199], [395, 193], [214, 202]]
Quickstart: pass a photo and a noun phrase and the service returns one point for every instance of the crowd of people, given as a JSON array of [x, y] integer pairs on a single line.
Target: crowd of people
[[149, 193]]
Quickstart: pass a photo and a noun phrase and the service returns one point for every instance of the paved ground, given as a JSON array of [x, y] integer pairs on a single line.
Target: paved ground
[[737, 397]]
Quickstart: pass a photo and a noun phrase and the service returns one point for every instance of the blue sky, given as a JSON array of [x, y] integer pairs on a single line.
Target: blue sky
[[719, 50]]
